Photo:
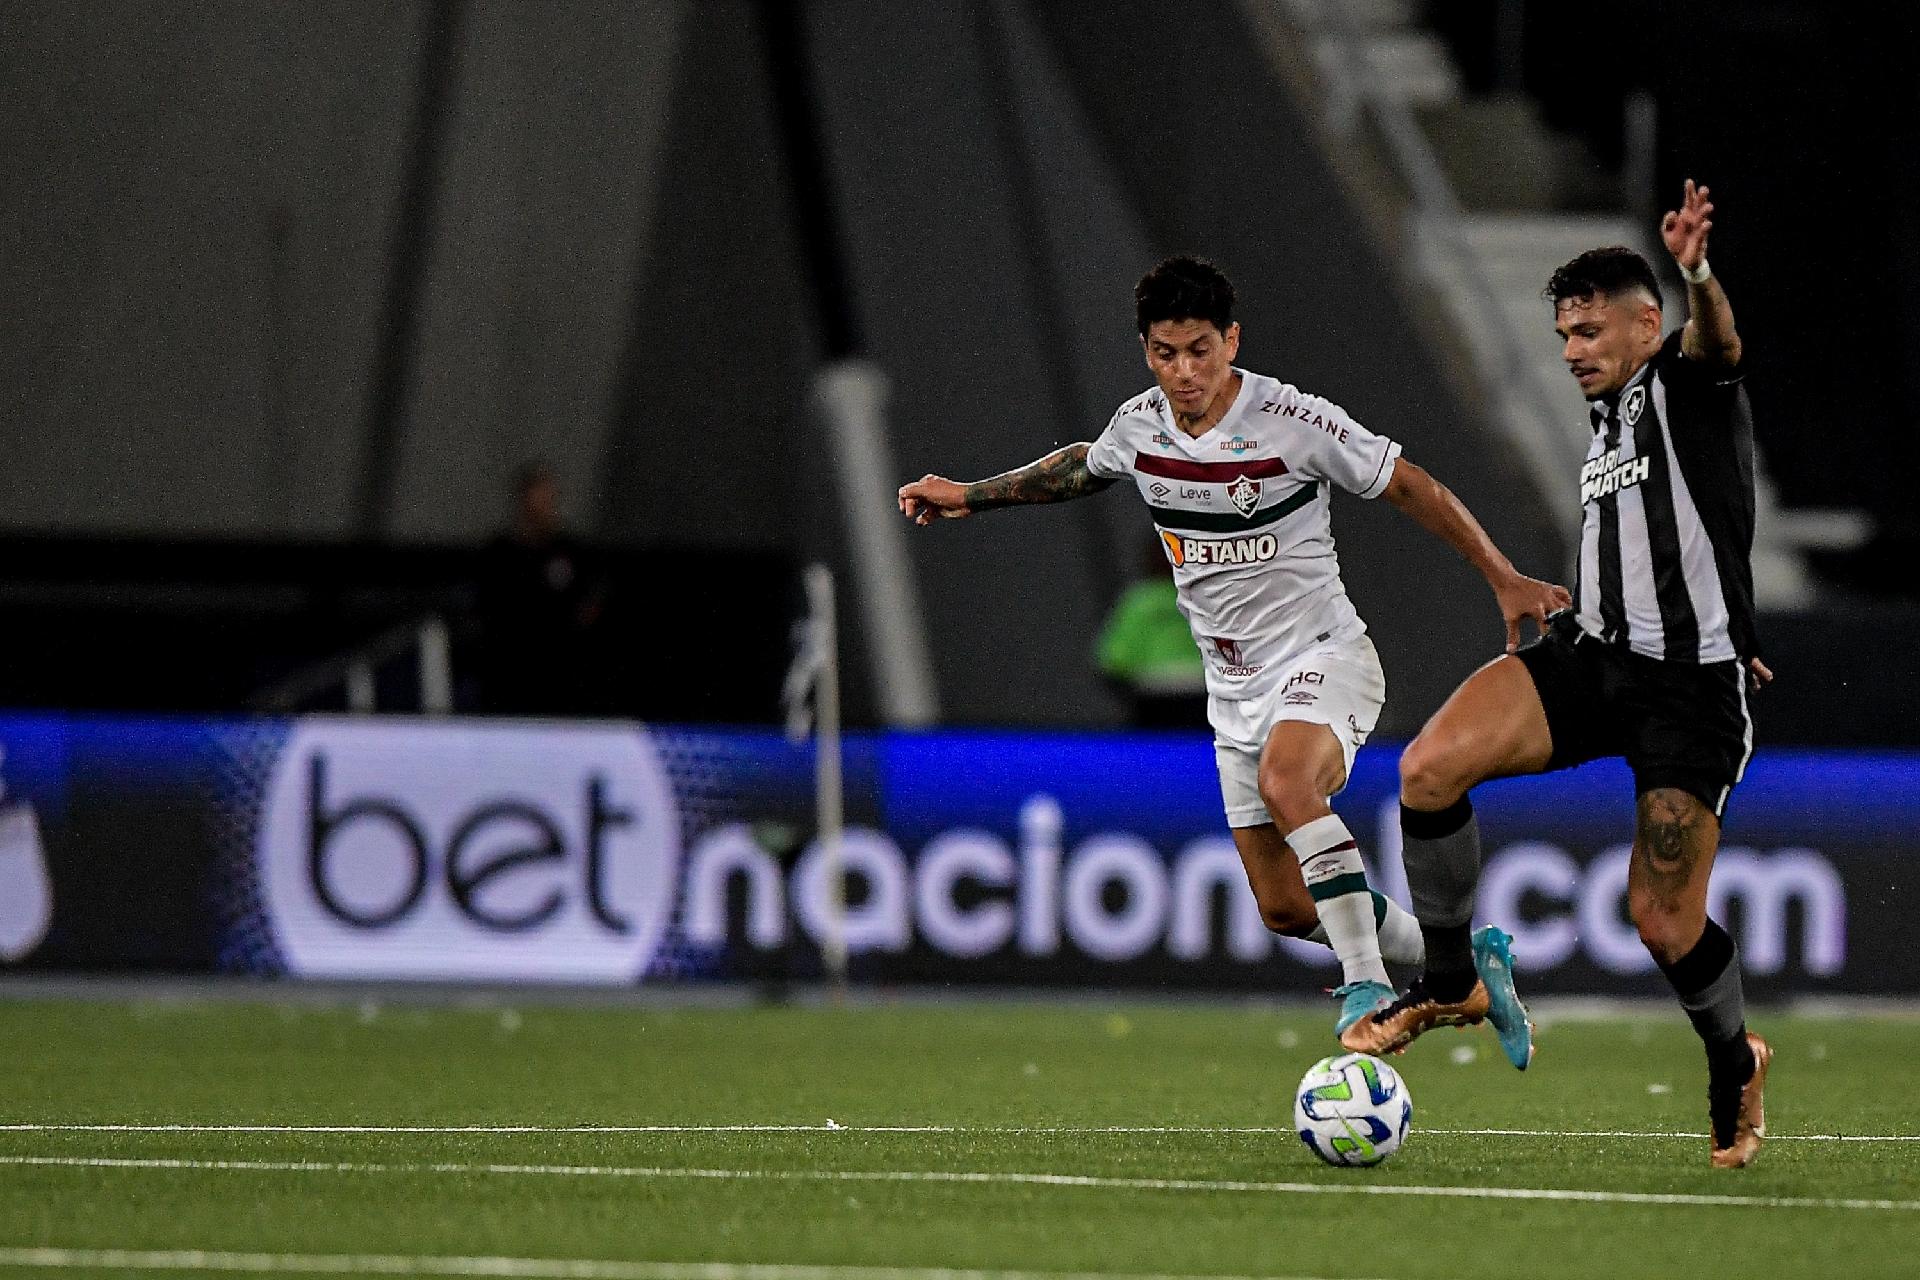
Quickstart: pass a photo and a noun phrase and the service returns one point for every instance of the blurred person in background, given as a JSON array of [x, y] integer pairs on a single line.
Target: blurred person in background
[[540, 604], [1146, 652]]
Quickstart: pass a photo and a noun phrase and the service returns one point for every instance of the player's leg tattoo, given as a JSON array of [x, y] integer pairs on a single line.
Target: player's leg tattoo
[[1672, 833], [1673, 849], [1667, 890]]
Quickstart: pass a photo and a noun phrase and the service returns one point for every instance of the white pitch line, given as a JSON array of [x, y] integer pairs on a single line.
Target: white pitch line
[[830, 1127], [530, 1268], [1645, 1133], [980, 1178]]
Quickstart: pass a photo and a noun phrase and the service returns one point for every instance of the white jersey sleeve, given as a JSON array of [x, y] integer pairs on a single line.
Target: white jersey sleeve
[[1339, 449], [1108, 459]]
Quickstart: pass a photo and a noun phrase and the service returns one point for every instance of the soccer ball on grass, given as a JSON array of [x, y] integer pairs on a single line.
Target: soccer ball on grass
[[1352, 1110]]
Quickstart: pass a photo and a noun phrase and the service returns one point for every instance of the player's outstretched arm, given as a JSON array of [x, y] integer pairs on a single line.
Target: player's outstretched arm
[[1709, 336], [1059, 476], [1440, 513]]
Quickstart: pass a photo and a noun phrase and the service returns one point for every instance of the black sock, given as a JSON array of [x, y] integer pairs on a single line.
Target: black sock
[[1442, 852], [1731, 1060], [1449, 972], [1707, 980]]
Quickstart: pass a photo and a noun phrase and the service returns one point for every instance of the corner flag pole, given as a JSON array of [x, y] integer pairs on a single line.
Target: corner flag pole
[[818, 665]]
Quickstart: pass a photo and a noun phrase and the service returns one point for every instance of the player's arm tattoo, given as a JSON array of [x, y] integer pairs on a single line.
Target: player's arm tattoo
[[1709, 335], [1059, 476]]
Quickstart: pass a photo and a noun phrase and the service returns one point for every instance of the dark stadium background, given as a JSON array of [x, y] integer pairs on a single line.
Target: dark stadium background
[[292, 291]]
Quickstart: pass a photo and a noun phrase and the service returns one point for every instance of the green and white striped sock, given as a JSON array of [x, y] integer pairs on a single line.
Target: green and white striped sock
[[1330, 864]]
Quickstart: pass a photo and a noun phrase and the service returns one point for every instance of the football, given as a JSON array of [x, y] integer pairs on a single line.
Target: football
[[1352, 1110]]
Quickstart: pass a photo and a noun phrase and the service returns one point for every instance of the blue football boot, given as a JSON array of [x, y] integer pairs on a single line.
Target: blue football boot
[[1358, 999], [1493, 961]]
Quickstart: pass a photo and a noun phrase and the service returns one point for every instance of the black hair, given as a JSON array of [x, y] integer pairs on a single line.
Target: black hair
[[1609, 271], [1184, 288]]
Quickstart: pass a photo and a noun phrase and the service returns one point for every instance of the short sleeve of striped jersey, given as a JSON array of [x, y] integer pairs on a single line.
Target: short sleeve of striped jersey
[[1107, 459], [1341, 450], [1680, 372]]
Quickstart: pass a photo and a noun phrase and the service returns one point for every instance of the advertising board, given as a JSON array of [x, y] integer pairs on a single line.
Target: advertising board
[[614, 854]]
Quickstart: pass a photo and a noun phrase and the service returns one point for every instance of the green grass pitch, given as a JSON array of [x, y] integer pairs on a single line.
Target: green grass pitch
[[897, 1140]]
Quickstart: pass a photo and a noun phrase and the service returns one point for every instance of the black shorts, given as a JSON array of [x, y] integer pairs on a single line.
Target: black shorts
[[1679, 724]]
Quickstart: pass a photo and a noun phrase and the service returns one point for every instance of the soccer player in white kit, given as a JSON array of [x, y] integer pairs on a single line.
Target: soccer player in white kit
[[1236, 469]]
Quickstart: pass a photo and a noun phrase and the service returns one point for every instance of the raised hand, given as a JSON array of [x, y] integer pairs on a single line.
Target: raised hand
[[933, 497], [1685, 229]]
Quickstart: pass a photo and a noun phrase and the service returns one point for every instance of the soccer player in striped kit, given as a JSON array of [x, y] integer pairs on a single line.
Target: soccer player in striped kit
[[1236, 470], [1654, 662]]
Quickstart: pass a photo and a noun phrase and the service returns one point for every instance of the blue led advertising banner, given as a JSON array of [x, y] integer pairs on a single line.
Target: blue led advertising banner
[[616, 854]]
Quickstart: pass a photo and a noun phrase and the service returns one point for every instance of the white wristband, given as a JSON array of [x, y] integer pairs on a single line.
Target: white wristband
[[1699, 275]]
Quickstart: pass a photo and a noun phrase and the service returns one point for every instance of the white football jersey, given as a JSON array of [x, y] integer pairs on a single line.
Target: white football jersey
[[1242, 513]]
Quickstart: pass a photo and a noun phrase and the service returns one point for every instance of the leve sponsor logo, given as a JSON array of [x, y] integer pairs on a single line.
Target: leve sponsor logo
[[504, 852]]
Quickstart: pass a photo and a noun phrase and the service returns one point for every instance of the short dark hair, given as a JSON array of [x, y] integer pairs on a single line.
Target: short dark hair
[[1184, 287], [1612, 270]]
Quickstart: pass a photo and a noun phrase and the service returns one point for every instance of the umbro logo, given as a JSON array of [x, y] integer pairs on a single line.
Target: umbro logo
[[1159, 490]]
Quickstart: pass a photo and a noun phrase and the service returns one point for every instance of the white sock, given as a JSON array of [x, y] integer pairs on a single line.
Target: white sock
[[1400, 937], [1330, 864]]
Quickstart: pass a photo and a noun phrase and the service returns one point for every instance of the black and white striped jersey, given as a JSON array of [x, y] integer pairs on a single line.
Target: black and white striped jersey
[[1666, 544]]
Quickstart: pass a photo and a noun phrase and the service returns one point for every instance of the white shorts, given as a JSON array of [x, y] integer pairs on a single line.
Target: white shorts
[[1339, 685]]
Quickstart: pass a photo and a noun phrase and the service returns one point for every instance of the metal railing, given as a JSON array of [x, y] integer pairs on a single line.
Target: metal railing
[[356, 672], [1524, 404], [1441, 216]]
